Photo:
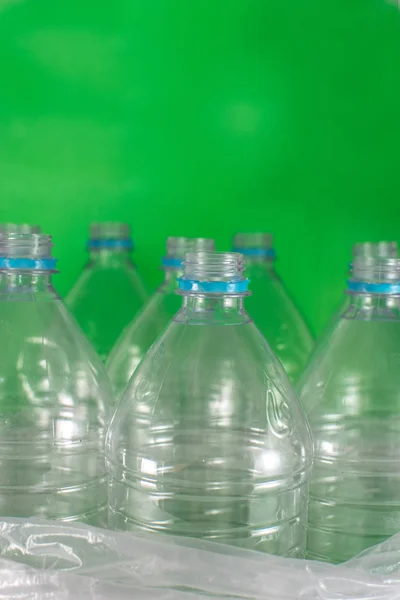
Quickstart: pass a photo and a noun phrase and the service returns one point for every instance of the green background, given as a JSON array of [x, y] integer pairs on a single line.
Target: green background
[[204, 117]]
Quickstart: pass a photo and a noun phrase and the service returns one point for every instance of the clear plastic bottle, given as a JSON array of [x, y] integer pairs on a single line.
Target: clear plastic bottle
[[54, 395], [137, 338], [271, 307], [109, 292], [209, 439], [351, 394]]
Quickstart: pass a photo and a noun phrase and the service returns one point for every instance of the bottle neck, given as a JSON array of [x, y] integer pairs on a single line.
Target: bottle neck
[[170, 283], [266, 262], [110, 257], [257, 255], [20, 281], [372, 306], [213, 309]]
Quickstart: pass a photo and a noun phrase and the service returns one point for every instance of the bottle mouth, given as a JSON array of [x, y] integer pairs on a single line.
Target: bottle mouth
[[26, 252], [375, 276], [178, 247], [7, 228], [375, 250], [213, 273], [254, 244], [110, 235]]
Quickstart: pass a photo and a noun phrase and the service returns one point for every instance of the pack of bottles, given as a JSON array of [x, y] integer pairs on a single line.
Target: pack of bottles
[[176, 413]]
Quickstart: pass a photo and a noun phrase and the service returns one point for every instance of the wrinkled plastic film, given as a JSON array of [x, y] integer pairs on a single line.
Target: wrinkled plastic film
[[42, 559]]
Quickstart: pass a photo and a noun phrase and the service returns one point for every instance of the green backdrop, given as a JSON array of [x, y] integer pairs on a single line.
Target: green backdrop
[[204, 117]]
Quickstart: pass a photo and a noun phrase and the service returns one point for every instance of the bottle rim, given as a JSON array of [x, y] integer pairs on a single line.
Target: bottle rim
[[26, 252], [375, 275], [213, 273], [111, 235], [255, 244], [7, 228], [178, 247], [381, 249]]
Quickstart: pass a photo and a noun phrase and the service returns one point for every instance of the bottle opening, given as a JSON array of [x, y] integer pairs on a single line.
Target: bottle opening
[[178, 247], [375, 250], [375, 276], [110, 235], [254, 244], [214, 272], [6, 228], [26, 251]]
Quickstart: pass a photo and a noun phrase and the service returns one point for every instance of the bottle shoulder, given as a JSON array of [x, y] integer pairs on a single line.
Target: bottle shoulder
[[355, 368], [45, 349], [102, 279], [224, 377]]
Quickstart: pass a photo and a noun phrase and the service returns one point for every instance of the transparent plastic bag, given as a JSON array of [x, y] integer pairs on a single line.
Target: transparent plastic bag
[[49, 560]]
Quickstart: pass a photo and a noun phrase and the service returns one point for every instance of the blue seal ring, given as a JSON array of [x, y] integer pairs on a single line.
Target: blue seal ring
[[99, 244], [214, 287], [171, 263], [43, 264], [268, 252], [373, 288]]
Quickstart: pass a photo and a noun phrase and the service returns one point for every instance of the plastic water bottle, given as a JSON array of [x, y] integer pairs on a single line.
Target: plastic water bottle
[[158, 312], [351, 393], [109, 291], [54, 395], [271, 307], [209, 439]]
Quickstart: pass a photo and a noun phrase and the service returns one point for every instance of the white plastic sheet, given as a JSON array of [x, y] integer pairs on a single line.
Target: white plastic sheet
[[48, 560]]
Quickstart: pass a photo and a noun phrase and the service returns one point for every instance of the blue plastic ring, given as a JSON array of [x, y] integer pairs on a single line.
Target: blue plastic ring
[[169, 262], [216, 287], [43, 264], [268, 252], [373, 288], [99, 244]]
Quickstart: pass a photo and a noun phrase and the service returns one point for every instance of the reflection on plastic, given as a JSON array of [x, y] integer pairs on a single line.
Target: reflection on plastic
[[42, 559]]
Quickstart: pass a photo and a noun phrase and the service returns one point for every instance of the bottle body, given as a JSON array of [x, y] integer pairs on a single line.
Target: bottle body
[[54, 407], [209, 439], [351, 394]]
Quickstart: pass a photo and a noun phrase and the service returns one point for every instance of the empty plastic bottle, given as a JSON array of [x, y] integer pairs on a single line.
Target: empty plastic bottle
[[137, 338], [351, 394], [54, 395], [209, 439], [270, 306], [110, 291]]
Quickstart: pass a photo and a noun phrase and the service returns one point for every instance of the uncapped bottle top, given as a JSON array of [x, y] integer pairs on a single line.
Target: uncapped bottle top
[[375, 276], [254, 244], [6, 228], [178, 247], [213, 272], [26, 251], [112, 235], [375, 250]]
